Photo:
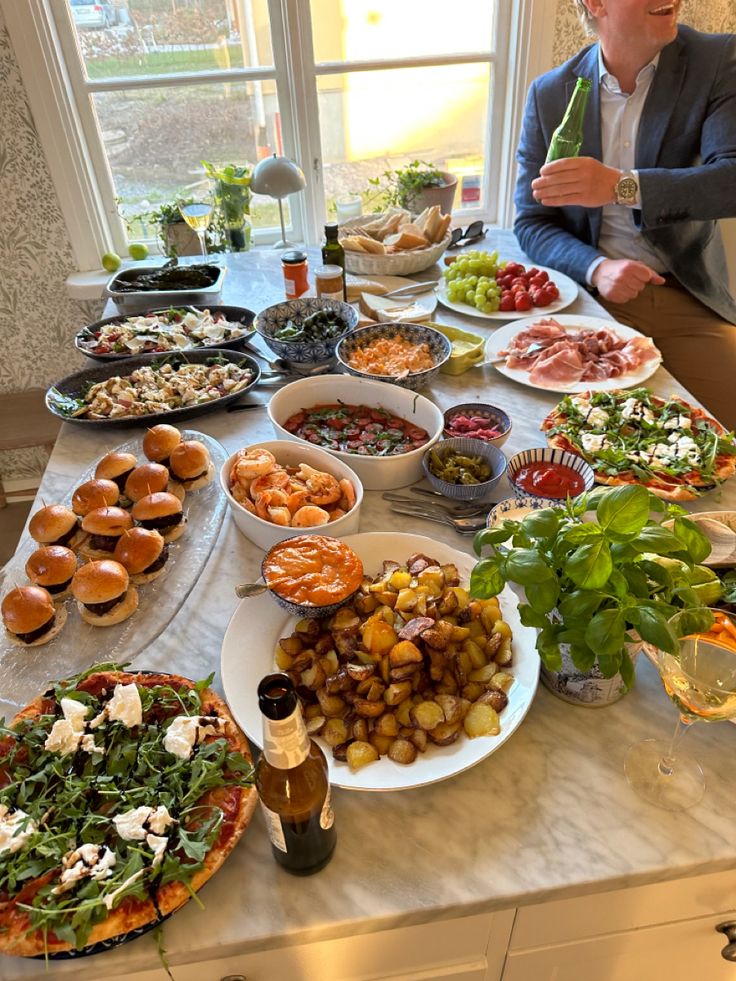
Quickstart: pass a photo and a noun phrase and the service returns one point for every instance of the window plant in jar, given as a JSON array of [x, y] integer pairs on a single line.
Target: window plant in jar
[[233, 198], [417, 186], [599, 575]]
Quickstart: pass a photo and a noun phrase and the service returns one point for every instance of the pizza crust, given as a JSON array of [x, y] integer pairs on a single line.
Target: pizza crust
[[132, 914]]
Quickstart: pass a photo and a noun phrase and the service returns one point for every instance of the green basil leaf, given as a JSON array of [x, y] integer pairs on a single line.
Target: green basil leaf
[[654, 629], [581, 533], [626, 667], [526, 566], [582, 656], [636, 579], [656, 539], [543, 596], [581, 604], [530, 617], [494, 536], [541, 524], [697, 544], [609, 664], [590, 565], [606, 632], [549, 649], [486, 579], [624, 510], [617, 582], [697, 620]]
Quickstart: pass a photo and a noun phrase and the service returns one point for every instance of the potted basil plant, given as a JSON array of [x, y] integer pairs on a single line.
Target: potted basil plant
[[599, 576], [415, 187], [233, 198]]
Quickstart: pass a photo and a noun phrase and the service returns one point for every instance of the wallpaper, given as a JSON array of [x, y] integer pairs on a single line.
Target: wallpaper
[[37, 318]]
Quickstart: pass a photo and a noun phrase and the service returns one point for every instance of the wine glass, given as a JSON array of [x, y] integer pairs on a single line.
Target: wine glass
[[196, 211], [701, 681]]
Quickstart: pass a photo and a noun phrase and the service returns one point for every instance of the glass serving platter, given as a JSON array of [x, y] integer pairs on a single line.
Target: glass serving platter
[[26, 671]]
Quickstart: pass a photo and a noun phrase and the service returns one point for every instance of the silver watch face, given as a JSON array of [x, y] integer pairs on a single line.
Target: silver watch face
[[626, 189]]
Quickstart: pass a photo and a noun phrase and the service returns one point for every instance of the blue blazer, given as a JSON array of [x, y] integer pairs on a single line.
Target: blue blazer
[[685, 155]]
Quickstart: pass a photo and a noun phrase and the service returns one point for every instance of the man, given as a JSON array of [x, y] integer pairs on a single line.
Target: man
[[634, 216]]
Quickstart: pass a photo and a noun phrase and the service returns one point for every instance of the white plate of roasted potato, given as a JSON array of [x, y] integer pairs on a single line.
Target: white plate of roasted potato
[[410, 683]]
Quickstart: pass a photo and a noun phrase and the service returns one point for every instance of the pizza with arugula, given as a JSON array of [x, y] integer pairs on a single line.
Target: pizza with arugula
[[120, 795], [671, 447]]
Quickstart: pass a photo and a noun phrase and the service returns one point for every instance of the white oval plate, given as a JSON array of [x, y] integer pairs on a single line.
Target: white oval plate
[[504, 335], [258, 623], [425, 301], [568, 294]]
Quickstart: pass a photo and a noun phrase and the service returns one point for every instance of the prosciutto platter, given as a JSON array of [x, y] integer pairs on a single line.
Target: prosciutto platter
[[574, 354]]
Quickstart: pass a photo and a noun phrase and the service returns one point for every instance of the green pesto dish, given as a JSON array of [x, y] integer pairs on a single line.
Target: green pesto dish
[[120, 795]]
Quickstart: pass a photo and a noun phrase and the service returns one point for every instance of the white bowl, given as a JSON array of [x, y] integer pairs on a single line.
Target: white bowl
[[290, 453], [376, 472]]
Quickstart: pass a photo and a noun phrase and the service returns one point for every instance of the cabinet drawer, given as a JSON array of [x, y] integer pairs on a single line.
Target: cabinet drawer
[[678, 952], [627, 909]]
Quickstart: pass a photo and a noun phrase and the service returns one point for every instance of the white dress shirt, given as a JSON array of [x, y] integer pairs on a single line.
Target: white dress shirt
[[620, 115]]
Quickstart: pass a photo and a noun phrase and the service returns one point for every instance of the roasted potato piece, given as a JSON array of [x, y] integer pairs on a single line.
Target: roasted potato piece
[[341, 752], [283, 660], [346, 618], [488, 616], [403, 713], [369, 710], [502, 681], [475, 653], [360, 754], [448, 603], [332, 706], [291, 645], [359, 672], [406, 599], [484, 674], [365, 604], [418, 562], [378, 636], [419, 738], [404, 672], [439, 635], [415, 627], [494, 697], [359, 729], [399, 579], [445, 733], [451, 574], [397, 692], [453, 707], [307, 628], [472, 691], [313, 677], [387, 724], [504, 655], [481, 720], [381, 743], [316, 724], [501, 627], [335, 732], [427, 715], [402, 751], [404, 652]]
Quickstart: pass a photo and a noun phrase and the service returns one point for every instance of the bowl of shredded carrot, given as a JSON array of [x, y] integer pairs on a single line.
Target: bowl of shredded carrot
[[409, 355]]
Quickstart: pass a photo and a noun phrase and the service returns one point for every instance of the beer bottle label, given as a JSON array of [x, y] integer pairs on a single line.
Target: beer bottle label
[[285, 741], [273, 826], [327, 815]]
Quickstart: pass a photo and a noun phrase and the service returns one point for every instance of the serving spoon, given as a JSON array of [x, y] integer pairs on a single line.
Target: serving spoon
[[248, 589], [722, 539]]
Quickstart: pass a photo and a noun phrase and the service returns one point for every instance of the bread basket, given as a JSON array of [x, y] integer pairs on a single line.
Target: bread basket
[[395, 264]]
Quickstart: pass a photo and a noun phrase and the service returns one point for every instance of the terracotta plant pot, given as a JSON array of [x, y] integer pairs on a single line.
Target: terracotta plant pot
[[443, 195]]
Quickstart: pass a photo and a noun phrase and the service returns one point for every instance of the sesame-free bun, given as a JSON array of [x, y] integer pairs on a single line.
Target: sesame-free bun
[[191, 464], [55, 525], [116, 466], [109, 523], [26, 609], [104, 582], [163, 512], [160, 441], [138, 550], [148, 478], [96, 493], [52, 566]]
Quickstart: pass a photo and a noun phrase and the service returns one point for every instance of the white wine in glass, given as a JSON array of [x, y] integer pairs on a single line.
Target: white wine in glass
[[197, 215]]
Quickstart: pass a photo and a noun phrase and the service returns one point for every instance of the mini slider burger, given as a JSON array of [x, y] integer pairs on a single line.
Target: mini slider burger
[[143, 552], [160, 441], [104, 526], [56, 525], [52, 567], [30, 617], [162, 512], [103, 593], [151, 478], [191, 464], [116, 466], [93, 494]]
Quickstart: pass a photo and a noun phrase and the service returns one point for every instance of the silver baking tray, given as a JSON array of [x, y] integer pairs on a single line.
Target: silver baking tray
[[136, 300]]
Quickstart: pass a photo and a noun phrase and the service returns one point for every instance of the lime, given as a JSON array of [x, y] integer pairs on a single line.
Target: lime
[[137, 250], [111, 261]]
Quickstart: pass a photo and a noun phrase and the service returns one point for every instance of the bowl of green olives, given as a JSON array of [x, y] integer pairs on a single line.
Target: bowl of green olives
[[464, 469], [306, 330]]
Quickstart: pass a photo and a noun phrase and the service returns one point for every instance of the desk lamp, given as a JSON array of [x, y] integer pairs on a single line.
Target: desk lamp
[[278, 177]]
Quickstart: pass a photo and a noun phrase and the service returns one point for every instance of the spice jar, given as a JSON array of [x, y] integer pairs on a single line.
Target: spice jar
[[328, 281], [294, 265]]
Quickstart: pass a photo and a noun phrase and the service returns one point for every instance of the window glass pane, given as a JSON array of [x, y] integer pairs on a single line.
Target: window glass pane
[[349, 30], [156, 139], [154, 37], [446, 127]]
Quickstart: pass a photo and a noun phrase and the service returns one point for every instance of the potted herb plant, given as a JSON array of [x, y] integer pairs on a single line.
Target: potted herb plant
[[415, 187], [175, 236], [599, 576], [233, 197]]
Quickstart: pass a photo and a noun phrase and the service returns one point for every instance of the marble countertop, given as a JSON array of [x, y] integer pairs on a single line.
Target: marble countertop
[[548, 815]]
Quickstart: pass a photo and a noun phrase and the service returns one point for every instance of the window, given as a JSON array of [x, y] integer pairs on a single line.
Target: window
[[129, 97]]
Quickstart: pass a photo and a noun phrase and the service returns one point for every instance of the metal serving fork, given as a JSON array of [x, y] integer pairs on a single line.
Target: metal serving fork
[[455, 509], [464, 525]]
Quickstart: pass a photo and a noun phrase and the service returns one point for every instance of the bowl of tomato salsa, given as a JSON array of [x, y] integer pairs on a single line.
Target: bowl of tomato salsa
[[312, 575], [379, 430], [549, 474]]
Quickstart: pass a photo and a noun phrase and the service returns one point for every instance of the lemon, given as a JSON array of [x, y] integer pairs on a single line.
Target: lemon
[[111, 261], [137, 250]]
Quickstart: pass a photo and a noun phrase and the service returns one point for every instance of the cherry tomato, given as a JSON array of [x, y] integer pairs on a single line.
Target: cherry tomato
[[541, 297], [552, 289], [514, 269], [523, 301], [532, 272], [540, 279]]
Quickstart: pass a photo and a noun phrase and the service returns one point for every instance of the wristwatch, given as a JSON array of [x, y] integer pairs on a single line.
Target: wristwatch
[[626, 190]]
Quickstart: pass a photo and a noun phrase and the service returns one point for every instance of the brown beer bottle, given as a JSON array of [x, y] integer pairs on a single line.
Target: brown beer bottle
[[292, 782]]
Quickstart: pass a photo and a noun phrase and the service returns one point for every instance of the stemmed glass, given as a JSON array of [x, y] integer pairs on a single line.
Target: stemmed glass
[[701, 681], [197, 211]]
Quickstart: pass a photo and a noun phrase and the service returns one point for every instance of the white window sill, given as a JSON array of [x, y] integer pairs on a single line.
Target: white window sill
[[91, 285]]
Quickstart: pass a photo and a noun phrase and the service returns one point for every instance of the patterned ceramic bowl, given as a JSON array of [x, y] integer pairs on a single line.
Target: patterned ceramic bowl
[[439, 346], [548, 455], [468, 447], [514, 509], [493, 417], [273, 318]]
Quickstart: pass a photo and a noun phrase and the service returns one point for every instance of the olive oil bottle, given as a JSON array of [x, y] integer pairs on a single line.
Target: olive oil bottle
[[568, 137], [292, 782], [333, 254]]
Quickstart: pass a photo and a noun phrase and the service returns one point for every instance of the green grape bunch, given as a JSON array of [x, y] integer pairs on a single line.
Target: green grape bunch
[[471, 279]]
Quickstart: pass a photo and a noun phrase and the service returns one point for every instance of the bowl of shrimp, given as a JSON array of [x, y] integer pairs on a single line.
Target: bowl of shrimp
[[281, 488]]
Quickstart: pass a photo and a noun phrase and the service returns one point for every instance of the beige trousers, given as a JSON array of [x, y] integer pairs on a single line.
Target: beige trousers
[[698, 346]]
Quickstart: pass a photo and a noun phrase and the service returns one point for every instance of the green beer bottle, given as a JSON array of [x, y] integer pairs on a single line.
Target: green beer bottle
[[333, 254], [568, 137]]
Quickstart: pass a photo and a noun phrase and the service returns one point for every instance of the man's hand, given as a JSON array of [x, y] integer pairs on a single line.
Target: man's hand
[[620, 280], [576, 180]]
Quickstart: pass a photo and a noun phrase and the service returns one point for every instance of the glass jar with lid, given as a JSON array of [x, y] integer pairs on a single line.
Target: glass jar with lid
[[294, 265], [328, 281]]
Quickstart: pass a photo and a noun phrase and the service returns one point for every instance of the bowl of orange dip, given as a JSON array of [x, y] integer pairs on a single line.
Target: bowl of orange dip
[[312, 575], [409, 355]]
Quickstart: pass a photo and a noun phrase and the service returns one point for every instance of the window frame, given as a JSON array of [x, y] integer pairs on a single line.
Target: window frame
[[43, 39]]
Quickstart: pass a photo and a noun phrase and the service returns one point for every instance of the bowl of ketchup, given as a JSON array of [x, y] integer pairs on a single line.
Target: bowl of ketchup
[[549, 474]]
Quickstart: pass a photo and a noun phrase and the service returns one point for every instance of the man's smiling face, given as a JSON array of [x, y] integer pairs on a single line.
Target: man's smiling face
[[646, 23]]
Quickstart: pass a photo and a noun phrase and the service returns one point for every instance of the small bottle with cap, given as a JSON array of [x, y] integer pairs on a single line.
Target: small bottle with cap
[[295, 269]]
